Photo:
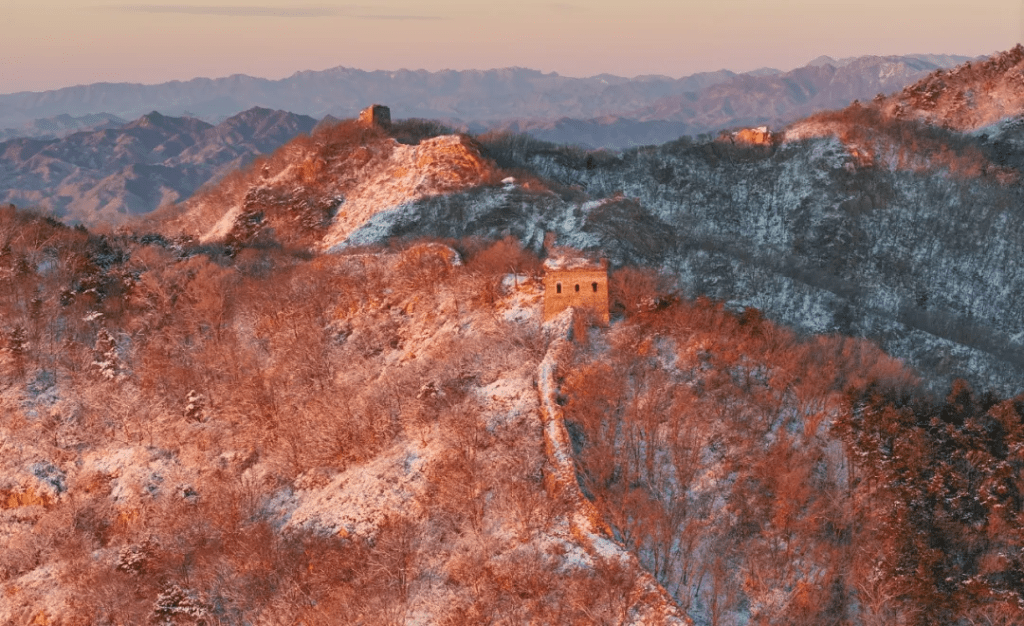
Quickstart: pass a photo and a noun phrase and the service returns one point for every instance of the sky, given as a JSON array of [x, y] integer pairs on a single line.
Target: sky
[[48, 44]]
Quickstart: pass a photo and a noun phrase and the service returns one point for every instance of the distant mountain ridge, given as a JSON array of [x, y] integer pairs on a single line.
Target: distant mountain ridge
[[530, 100], [784, 97], [61, 125], [470, 95], [104, 176], [763, 97]]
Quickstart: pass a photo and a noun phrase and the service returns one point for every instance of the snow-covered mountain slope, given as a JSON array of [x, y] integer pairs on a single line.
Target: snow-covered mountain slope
[[318, 191], [251, 433], [918, 258], [853, 222], [886, 242], [360, 440], [966, 97]]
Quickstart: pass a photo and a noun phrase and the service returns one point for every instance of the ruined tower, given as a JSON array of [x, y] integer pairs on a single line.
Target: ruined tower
[[576, 282], [375, 115]]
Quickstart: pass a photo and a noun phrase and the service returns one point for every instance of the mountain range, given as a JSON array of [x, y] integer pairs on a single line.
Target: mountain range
[[106, 175], [62, 125], [89, 166], [510, 98]]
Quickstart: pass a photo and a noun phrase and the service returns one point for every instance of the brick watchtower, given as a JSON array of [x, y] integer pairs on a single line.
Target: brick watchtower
[[575, 282], [375, 115]]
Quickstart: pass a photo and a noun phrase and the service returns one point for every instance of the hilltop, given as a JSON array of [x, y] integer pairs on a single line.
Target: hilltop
[[972, 95]]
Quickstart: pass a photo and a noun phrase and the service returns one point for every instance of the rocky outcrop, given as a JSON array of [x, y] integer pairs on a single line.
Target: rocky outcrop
[[439, 165]]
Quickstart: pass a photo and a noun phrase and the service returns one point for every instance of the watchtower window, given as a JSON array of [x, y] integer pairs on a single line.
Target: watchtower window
[[558, 287], [577, 288], [594, 286]]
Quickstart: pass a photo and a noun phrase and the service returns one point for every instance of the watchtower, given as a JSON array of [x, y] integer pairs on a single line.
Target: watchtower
[[576, 282], [375, 115]]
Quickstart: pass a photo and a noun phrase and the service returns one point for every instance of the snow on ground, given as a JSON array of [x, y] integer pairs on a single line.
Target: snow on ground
[[136, 474], [223, 226], [359, 500], [570, 263], [1009, 129], [812, 129], [438, 165], [585, 522], [26, 591], [524, 303], [508, 399]]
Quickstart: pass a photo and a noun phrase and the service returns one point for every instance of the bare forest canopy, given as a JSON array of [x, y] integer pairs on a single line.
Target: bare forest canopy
[[890, 229], [243, 433]]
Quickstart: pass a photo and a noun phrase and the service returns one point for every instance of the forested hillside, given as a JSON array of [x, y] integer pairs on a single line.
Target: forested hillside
[[912, 240], [230, 434], [790, 481], [192, 437], [855, 221], [892, 230]]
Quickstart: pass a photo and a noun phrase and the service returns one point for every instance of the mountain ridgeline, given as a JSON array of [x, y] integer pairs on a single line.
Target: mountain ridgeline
[[107, 175], [91, 167], [857, 222], [599, 111]]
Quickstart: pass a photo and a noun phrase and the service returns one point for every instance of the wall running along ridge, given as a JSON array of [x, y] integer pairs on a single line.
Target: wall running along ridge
[[651, 603]]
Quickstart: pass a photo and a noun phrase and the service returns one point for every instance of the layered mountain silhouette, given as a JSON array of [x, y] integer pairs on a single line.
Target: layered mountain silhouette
[[599, 111], [754, 99], [62, 125], [103, 176]]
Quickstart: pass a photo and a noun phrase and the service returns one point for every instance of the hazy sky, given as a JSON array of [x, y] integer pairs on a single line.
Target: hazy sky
[[47, 44]]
